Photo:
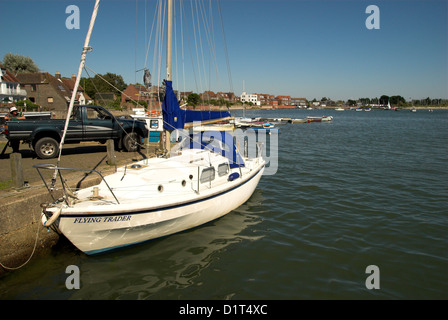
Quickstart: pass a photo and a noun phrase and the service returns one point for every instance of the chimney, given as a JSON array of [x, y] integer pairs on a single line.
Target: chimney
[[58, 75], [74, 77]]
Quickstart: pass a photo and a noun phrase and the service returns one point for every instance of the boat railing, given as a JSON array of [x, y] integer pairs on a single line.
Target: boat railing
[[65, 188], [260, 146]]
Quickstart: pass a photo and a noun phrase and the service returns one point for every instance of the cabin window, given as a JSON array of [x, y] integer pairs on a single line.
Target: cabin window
[[208, 175], [223, 169]]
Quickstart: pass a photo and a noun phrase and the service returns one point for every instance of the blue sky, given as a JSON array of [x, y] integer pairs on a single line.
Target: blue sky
[[300, 48]]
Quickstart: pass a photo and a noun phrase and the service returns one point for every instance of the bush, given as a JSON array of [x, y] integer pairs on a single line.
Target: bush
[[30, 106]]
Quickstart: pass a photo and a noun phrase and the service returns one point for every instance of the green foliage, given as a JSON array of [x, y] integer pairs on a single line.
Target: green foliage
[[193, 99], [116, 104], [397, 101], [5, 184], [30, 106], [98, 85], [17, 63]]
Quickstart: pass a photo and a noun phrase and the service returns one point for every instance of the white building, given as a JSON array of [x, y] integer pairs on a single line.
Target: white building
[[10, 90], [250, 98]]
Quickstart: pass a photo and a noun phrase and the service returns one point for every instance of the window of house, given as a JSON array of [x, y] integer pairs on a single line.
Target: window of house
[[50, 99]]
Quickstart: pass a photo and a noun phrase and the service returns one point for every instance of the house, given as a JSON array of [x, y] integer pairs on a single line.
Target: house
[[47, 91], [265, 99], [83, 98], [299, 102], [137, 92], [250, 98], [208, 95], [184, 95], [10, 87], [226, 96], [283, 100]]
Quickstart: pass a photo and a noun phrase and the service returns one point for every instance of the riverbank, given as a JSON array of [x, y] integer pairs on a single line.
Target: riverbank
[[22, 235]]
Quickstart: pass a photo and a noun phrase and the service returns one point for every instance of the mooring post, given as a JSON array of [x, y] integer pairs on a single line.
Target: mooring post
[[17, 170], [111, 160]]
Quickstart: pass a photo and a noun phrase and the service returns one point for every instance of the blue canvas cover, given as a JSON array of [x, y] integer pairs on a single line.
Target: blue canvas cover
[[193, 115], [173, 116], [218, 141]]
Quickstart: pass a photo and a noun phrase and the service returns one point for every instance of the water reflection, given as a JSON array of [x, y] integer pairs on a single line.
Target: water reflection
[[155, 270]]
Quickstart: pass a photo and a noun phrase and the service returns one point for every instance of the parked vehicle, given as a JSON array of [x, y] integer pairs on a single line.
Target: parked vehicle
[[87, 123]]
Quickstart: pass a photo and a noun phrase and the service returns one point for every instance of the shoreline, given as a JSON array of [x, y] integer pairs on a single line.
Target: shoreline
[[313, 108]]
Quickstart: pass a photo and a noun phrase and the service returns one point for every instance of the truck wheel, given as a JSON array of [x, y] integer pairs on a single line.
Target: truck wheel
[[46, 148], [131, 142]]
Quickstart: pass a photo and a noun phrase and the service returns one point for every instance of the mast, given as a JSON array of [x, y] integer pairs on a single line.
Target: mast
[[169, 41], [85, 49], [169, 62]]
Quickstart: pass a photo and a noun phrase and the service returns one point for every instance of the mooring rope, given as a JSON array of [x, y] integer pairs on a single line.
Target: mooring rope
[[32, 253]]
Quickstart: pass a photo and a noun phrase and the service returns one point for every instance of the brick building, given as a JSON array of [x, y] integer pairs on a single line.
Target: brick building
[[51, 93], [283, 100], [137, 92]]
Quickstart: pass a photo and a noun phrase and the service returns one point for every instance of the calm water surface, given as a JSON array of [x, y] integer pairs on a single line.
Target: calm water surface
[[370, 188]]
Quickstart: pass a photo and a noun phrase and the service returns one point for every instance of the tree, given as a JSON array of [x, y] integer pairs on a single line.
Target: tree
[[384, 99], [16, 63], [365, 101], [100, 83], [28, 105], [193, 99], [397, 100]]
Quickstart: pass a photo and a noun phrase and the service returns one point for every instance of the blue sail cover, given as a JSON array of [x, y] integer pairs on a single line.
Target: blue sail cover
[[175, 118], [193, 115]]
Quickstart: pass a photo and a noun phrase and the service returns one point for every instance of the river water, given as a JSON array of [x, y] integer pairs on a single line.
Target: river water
[[367, 189]]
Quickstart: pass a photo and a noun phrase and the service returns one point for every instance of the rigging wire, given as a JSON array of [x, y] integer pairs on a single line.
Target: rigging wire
[[226, 53]]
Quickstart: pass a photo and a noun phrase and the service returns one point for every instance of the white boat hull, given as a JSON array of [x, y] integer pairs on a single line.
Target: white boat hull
[[107, 226]]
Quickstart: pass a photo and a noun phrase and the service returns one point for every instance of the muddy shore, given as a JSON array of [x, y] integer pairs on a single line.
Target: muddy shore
[[21, 233]]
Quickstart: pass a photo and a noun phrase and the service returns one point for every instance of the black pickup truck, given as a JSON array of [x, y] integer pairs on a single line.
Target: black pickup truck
[[87, 123]]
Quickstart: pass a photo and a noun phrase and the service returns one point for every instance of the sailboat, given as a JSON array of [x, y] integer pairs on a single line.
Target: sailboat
[[198, 180]]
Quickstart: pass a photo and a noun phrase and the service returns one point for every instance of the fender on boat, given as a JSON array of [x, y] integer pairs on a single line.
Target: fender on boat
[[233, 176], [48, 222]]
